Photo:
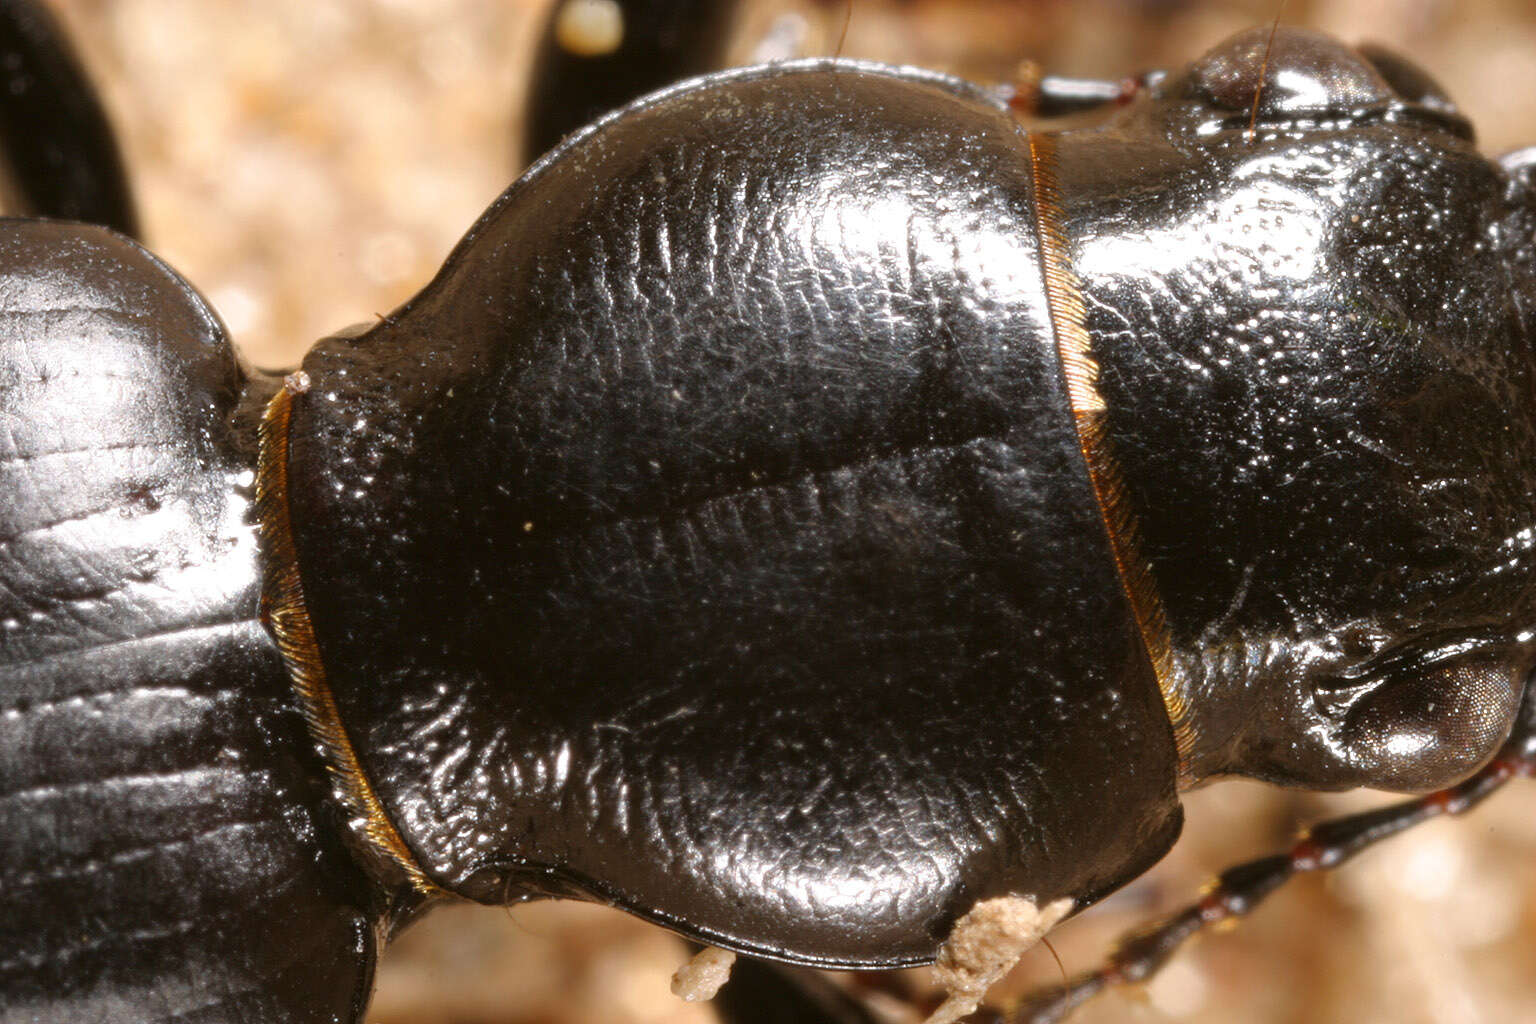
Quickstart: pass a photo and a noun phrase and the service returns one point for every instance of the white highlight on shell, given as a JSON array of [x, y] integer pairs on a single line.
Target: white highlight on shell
[[985, 944], [700, 978], [589, 28]]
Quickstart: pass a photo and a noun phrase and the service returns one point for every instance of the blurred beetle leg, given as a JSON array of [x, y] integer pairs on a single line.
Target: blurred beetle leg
[[59, 157], [766, 993]]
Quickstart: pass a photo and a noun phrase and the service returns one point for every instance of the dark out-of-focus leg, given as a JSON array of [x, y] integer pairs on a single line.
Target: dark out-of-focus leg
[[764, 993], [597, 55], [58, 155]]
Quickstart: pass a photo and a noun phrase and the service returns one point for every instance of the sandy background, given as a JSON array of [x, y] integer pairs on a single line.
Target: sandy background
[[308, 163]]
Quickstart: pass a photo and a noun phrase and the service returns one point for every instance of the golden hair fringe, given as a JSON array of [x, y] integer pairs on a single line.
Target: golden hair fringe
[[1064, 298], [286, 615]]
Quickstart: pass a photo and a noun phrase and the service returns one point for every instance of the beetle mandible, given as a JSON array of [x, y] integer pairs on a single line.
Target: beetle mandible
[[158, 499]]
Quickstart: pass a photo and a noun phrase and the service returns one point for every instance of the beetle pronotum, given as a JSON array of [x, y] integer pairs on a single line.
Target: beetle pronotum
[[386, 252]]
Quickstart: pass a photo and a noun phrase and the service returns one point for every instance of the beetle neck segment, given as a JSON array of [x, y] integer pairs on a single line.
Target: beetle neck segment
[[286, 617], [1081, 374]]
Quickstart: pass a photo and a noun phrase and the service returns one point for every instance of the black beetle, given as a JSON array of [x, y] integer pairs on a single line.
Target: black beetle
[[929, 535]]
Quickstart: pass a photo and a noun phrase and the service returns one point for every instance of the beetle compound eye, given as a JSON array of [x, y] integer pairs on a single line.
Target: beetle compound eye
[[1411, 82], [1306, 74], [1417, 732]]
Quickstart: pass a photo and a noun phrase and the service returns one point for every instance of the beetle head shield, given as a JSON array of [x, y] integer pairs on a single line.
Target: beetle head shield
[[1318, 371]]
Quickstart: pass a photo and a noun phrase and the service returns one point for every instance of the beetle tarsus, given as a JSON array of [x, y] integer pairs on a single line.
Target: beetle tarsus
[[1239, 890]]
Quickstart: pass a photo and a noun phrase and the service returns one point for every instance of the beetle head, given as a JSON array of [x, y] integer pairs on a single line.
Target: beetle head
[[1318, 378], [1300, 79]]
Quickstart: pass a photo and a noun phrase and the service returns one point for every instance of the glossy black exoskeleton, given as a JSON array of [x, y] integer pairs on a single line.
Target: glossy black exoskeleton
[[807, 504]]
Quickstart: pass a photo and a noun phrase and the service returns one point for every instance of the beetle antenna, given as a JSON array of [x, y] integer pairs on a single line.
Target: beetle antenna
[[1258, 90], [1238, 890]]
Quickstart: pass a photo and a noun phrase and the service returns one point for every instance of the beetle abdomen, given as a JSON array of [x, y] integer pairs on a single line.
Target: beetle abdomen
[[160, 854], [712, 536]]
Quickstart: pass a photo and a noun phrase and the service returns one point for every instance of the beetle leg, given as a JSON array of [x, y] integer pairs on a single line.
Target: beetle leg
[[580, 74], [763, 993], [1238, 890], [61, 158]]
